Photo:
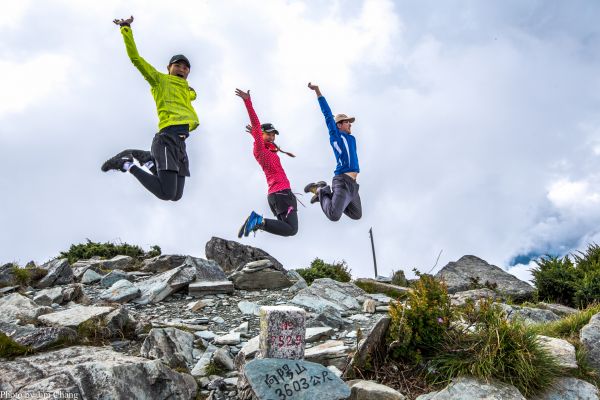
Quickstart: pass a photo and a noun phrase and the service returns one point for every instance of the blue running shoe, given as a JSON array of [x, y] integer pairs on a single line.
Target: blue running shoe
[[252, 223]]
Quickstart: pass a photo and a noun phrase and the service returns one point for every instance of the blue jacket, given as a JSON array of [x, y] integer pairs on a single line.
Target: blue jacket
[[343, 144]]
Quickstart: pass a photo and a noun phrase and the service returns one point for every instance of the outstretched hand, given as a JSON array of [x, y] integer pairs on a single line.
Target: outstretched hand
[[122, 22], [315, 88], [242, 94], [248, 128]]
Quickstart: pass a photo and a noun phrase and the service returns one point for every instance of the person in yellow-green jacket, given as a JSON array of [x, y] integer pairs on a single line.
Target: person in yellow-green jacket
[[167, 161]]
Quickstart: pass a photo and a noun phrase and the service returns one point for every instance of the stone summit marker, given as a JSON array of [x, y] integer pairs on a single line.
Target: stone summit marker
[[277, 379], [282, 332]]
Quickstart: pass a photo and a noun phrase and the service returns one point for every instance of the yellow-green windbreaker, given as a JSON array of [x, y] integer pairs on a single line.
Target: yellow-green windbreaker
[[172, 94]]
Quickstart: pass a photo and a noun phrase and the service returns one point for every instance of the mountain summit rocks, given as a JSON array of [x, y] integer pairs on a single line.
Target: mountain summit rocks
[[460, 276]]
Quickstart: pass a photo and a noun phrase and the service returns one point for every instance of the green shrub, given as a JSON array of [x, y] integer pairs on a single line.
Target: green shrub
[[487, 345], [572, 280], [417, 328], [9, 348], [399, 279], [106, 250], [320, 269], [25, 276]]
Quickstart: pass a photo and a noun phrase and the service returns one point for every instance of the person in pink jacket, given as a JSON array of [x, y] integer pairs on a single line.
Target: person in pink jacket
[[282, 201]]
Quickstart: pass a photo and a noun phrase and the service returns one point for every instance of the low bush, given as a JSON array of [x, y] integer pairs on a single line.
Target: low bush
[[338, 271], [485, 344], [399, 279], [573, 280], [106, 250], [417, 328], [10, 349]]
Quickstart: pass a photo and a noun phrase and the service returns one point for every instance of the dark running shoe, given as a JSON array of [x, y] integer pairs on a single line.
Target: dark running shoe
[[313, 187], [142, 156], [314, 199], [253, 224], [117, 162]]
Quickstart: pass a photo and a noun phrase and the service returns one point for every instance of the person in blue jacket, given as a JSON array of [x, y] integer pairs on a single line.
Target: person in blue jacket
[[342, 197]]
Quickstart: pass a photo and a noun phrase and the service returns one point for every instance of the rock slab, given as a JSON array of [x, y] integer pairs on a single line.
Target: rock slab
[[84, 372], [231, 255]]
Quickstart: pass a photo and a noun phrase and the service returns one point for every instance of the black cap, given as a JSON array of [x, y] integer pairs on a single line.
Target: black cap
[[269, 128], [180, 57]]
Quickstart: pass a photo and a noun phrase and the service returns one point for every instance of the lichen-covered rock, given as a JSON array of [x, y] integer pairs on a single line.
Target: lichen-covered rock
[[468, 388], [158, 287], [567, 388], [590, 339], [459, 277], [367, 390], [326, 292], [59, 273], [121, 292], [37, 338], [561, 350], [258, 275], [173, 346], [162, 263], [230, 255], [84, 372], [17, 307]]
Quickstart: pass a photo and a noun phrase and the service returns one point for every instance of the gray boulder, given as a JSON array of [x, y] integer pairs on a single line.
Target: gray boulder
[[7, 275], [458, 275], [37, 338], [468, 388], [567, 388], [173, 346], [372, 343], [528, 315], [59, 273], [332, 352], [367, 390], [231, 255], [75, 316], [121, 292], [113, 276], [561, 350], [258, 275], [461, 298], [61, 295], [84, 372], [118, 262], [590, 339], [17, 307], [327, 317], [326, 292], [158, 287], [90, 276], [162, 263]]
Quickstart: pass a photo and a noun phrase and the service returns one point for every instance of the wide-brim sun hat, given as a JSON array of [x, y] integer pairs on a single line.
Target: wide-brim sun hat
[[343, 117]]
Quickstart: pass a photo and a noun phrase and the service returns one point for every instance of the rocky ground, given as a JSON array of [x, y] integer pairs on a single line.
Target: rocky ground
[[184, 327]]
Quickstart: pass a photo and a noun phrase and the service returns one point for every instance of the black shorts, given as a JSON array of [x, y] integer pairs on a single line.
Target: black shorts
[[282, 202], [169, 152]]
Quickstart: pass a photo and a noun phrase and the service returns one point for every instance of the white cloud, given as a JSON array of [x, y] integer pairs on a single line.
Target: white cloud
[[27, 82]]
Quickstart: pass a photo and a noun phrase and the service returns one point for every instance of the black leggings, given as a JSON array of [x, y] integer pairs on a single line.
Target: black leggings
[[168, 185], [284, 225]]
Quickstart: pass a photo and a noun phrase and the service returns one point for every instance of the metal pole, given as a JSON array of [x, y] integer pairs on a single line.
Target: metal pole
[[373, 247]]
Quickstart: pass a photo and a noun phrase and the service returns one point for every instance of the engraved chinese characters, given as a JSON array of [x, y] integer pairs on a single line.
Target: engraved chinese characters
[[277, 379], [282, 331]]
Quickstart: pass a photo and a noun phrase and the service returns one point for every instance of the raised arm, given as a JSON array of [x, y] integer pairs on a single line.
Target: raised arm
[[329, 120], [148, 71], [254, 130]]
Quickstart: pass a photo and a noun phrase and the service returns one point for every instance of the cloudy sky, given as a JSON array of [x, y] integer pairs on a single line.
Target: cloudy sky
[[478, 125]]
